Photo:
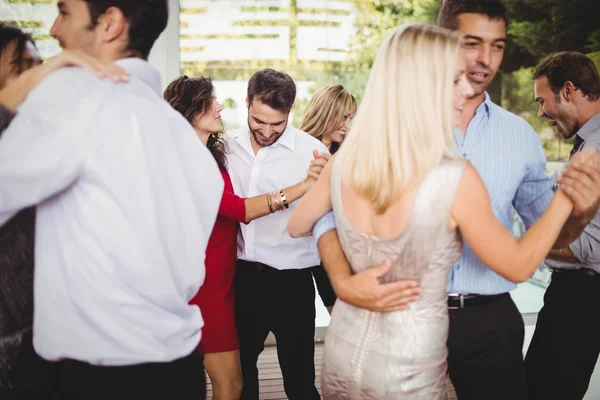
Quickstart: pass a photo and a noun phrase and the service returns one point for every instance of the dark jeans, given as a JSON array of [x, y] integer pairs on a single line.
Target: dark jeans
[[324, 285], [566, 343], [282, 302], [180, 379], [485, 351]]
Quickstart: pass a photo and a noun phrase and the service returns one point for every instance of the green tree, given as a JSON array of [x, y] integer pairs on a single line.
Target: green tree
[[375, 19], [540, 27]]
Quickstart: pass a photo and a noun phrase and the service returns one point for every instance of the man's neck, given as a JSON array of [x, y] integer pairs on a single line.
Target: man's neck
[[255, 146], [469, 109], [587, 111]]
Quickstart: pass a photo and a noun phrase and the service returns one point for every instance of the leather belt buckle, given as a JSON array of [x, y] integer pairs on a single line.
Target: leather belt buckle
[[461, 301]]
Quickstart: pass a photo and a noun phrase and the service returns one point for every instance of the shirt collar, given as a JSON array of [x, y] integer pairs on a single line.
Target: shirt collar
[[142, 70], [590, 127], [486, 106], [286, 139]]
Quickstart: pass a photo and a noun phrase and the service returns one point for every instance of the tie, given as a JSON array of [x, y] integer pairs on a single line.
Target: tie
[[577, 142]]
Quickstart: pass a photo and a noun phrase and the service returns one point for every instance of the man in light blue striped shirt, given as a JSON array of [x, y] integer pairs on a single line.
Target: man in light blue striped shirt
[[486, 329]]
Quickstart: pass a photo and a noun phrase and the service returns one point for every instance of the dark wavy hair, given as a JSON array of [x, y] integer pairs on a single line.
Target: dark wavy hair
[[193, 97], [8, 34]]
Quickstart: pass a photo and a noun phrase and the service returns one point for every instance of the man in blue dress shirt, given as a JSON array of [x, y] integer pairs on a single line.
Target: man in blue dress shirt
[[485, 358]]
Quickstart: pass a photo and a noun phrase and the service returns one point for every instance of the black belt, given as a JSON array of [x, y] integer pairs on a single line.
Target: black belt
[[258, 266], [466, 300], [580, 271]]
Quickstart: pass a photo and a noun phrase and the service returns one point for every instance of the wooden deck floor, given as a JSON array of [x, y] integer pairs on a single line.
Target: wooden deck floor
[[271, 382]]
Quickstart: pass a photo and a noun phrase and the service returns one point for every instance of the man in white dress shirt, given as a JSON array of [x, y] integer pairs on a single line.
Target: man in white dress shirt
[[126, 200], [273, 286]]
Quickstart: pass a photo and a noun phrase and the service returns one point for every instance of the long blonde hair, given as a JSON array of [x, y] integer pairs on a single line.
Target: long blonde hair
[[326, 110], [404, 125]]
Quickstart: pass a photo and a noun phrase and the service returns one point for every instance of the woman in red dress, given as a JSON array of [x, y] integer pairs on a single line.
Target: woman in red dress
[[194, 98]]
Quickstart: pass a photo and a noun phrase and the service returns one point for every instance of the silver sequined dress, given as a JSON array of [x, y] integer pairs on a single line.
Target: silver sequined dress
[[399, 355]]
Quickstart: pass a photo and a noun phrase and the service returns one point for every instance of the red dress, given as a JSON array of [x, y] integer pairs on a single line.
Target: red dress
[[215, 298]]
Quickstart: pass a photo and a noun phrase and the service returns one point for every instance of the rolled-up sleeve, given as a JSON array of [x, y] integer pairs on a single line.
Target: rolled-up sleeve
[[324, 225], [587, 246]]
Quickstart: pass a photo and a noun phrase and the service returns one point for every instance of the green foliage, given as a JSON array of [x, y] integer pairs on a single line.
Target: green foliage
[[375, 20], [540, 27]]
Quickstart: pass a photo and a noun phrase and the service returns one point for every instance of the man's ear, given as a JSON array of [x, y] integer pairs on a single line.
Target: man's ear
[[112, 25], [569, 91]]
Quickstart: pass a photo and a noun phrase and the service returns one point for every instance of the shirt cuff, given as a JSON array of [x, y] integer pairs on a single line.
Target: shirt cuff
[[324, 225]]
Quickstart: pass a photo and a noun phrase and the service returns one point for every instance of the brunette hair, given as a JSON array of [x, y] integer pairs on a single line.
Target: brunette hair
[[273, 88], [9, 34], [193, 97], [452, 9], [147, 19], [570, 66]]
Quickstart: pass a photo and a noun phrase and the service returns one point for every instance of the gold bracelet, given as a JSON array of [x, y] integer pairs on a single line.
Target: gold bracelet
[[270, 202], [277, 201], [284, 200]]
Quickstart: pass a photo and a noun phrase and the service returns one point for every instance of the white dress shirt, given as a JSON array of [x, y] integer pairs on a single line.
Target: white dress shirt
[[284, 163], [126, 197]]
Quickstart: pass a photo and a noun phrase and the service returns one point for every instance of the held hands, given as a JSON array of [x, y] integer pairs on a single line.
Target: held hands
[[80, 59], [581, 183], [364, 290], [316, 167]]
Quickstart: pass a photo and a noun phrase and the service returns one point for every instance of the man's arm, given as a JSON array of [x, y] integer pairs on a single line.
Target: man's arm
[[564, 254], [363, 289], [42, 149], [581, 182], [535, 193]]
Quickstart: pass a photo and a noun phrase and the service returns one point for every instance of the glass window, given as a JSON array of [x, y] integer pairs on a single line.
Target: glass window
[[35, 17], [230, 40]]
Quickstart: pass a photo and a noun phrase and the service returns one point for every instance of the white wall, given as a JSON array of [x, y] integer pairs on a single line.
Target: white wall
[[165, 53]]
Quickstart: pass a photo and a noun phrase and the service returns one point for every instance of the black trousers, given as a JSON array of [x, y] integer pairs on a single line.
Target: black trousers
[[566, 343], [485, 351], [324, 285], [282, 302], [30, 377], [179, 379]]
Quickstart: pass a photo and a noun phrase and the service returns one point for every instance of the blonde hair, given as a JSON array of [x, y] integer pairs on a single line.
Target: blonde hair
[[404, 126], [326, 110]]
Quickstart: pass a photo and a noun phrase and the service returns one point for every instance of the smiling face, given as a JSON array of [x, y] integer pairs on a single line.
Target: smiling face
[[558, 112], [484, 40], [209, 122], [337, 134], [462, 89], [266, 124]]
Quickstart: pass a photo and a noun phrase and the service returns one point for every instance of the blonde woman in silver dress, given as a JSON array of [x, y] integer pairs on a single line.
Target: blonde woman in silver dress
[[400, 192]]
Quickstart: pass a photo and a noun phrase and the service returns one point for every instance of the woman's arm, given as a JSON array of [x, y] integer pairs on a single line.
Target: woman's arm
[[313, 206], [514, 259], [13, 95], [258, 206]]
